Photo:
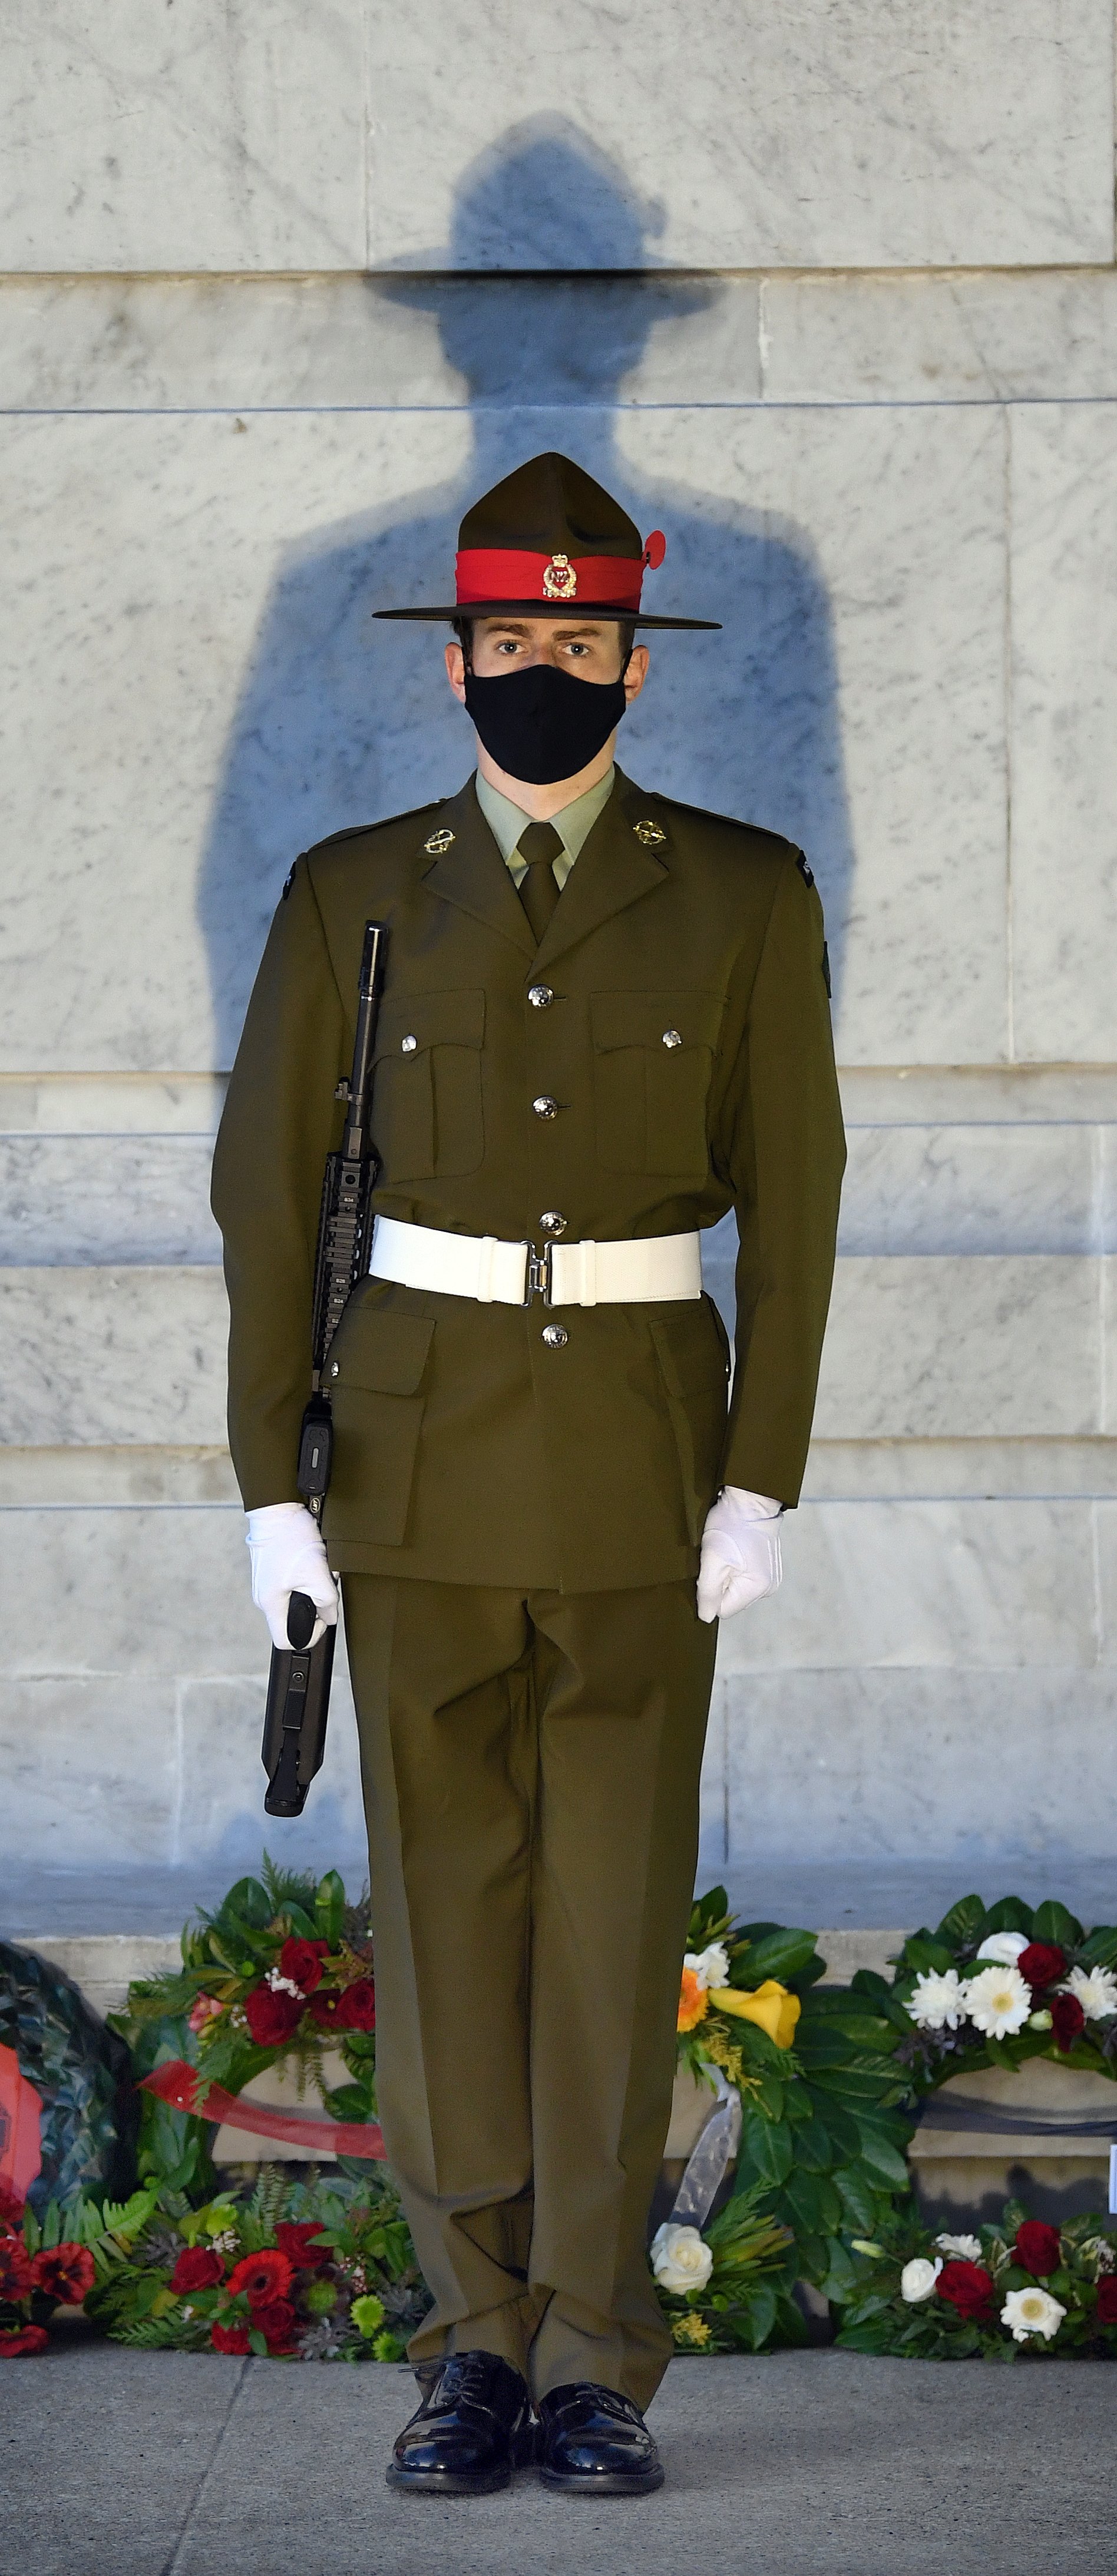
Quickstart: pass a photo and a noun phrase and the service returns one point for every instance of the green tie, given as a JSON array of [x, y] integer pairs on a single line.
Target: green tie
[[539, 893]]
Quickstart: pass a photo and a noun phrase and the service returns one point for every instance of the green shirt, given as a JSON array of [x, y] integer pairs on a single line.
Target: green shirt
[[507, 821]]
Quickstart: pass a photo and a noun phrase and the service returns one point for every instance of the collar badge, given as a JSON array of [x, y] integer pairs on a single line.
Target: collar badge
[[439, 843], [560, 580], [650, 834]]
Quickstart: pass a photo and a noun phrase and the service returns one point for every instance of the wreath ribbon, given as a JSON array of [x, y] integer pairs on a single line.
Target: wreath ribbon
[[176, 2083]]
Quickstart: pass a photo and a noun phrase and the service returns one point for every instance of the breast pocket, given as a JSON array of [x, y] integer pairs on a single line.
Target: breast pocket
[[653, 1056], [378, 1407], [427, 1115]]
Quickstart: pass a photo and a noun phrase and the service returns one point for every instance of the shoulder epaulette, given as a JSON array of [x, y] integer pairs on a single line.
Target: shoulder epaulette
[[359, 832]]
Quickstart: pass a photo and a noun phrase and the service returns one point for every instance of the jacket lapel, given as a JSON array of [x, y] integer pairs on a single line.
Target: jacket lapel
[[613, 869], [472, 874]]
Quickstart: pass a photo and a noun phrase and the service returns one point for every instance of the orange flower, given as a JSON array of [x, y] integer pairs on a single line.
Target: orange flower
[[694, 2002]]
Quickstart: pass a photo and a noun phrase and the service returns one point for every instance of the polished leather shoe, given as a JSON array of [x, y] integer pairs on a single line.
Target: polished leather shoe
[[595, 2442], [473, 2428]]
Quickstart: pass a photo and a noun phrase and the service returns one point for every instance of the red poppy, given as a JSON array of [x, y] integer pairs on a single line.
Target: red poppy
[[327, 2008], [11, 2207], [197, 2268], [1067, 2020], [272, 2017], [229, 2338], [968, 2287], [1042, 1963], [65, 2272], [358, 2006], [1037, 2248], [262, 2276], [1107, 2300], [17, 2272], [275, 2320], [302, 1962], [298, 2239], [25, 2339]]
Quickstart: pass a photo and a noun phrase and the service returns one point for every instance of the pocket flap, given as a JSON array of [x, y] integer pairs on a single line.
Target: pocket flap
[[655, 1019], [385, 1353], [429, 1020]]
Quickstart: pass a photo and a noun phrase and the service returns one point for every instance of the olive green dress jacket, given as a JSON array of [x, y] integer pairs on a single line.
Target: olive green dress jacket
[[468, 1450]]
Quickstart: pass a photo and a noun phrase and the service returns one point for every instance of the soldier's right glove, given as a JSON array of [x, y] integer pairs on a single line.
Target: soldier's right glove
[[741, 1559], [285, 1545]]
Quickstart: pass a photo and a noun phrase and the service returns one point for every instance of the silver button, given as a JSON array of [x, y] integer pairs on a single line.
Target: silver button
[[671, 1038], [552, 1222], [335, 1368], [540, 997], [408, 1045], [545, 1107], [555, 1336]]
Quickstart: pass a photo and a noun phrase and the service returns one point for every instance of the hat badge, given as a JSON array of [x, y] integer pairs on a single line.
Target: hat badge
[[560, 580]]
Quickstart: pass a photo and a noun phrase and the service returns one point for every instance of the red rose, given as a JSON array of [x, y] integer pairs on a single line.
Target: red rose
[[296, 2239], [358, 2006], [1037, 2248], [1067, 2020], [275, 2320], [1107, 2300], [968, 2287], [17, 2272], [272, 2017], [302, 1962], [229, 2338], [66, 2272], [11, 2208], [1042, 1963], [25, 2339], [263, 2276], [197, 2268]]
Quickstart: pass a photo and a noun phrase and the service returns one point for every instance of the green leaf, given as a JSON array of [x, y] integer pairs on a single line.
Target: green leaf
[[874, 2338], [257, 2343], [246, 1902], [841, 2128], [964, 1926], [707, 1910], [329, 1907], [843, 2278], [767, 2147], [1100, 1951], [884, 2160], [858, 2198], [761, 2312], [814, 2146], [1009, 1914], [781, 1954], [816, 2208], [923, 1952], [1051, 1922]]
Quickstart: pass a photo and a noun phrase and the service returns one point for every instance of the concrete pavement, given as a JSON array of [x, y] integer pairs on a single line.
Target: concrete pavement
[[115, 2463]]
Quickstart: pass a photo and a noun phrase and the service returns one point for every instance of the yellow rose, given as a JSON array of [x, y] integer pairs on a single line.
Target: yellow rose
[[770, 2007]]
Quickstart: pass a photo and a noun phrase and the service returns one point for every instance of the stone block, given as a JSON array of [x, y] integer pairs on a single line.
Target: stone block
[[114, 1356], [1064, 642], [995, 1189], [968, 336], [106, 1199], [963, 1347], [220, 1819], [157, 1593], [91, 1766]]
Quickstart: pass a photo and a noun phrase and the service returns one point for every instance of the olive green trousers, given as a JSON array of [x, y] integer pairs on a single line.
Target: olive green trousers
[[530, 1771]]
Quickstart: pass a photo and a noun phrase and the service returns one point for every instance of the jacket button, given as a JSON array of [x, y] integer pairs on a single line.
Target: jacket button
[[545, 1107], [540, 997], [552, 1221], [671, 1038], [555, 1335], [408, 1045]]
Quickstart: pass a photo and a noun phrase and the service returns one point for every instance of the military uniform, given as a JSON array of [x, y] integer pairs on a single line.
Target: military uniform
[[518, 1493]]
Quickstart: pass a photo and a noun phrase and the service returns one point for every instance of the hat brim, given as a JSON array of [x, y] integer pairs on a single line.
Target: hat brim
[[596, 608]]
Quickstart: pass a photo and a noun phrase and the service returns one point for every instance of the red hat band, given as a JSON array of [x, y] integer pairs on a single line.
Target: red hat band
[[586, 581]]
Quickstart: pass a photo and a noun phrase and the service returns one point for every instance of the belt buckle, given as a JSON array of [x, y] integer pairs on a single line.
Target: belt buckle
[[537, 1274]]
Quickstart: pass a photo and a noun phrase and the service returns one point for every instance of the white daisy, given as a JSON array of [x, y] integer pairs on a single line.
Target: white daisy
[[1096, 1990], [1029, 2312], [998, 2001], [710, 1966], [938, 2002]]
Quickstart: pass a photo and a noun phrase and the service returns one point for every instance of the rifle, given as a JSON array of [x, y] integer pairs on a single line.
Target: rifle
[[299, 1678]]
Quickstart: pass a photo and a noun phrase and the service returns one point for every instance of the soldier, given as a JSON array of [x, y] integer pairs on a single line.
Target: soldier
[[606, 1023]]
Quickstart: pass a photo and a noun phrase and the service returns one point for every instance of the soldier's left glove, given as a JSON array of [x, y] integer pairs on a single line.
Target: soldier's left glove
[[740, 1559], [285, 1545]]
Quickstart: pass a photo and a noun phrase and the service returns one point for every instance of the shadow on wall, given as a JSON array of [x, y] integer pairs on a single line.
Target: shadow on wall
[[341, 721]]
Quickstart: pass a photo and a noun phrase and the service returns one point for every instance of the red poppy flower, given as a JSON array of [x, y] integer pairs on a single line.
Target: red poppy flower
[[197, 2268], [1107, 2300], [229, 2338], [327, 2008], [25, 2339], [297, 2238], [968, 2287], [65, 2272], [272, 2017], [302, 1962], [275, 2320], [11, 2207], [1067, 2020], [358, 2006], [1042, 1963], [262, 2276], [1037, 2248], [17, 2272]]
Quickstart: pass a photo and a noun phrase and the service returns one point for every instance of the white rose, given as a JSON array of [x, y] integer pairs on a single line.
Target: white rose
[[1029, 2312], [710, 1966], [1004, 1948], [967, 2248], [680, 2260], [1096, 1989], [998, 2001], [917, 2280], [938, 2001]]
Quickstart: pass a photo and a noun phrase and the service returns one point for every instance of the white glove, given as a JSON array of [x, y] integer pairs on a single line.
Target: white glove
[[285, 1545], [740, 1559]]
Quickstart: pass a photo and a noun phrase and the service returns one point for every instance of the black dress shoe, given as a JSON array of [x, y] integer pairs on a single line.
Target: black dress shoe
[[595, 2442], [473, 2428]]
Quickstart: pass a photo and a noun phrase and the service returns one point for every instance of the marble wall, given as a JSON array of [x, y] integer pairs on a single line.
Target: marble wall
[[831, 298]]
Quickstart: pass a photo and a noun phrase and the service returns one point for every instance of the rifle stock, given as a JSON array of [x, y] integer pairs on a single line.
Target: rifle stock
[[299, 1678]]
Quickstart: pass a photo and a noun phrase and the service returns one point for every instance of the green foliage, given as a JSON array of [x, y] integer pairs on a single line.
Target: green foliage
[[875, 2317], [1052, 1922]]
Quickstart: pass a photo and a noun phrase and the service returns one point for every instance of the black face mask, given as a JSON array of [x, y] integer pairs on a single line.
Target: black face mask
[[542, 724]]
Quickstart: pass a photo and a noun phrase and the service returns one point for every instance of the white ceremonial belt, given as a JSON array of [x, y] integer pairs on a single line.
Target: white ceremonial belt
[[653, 1270]]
